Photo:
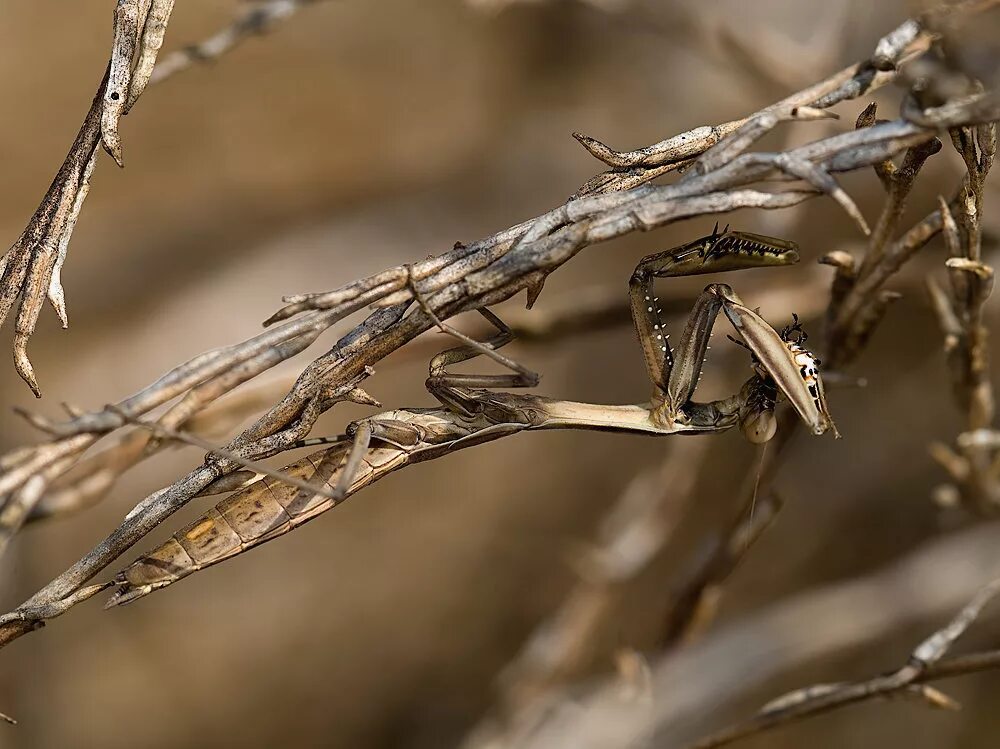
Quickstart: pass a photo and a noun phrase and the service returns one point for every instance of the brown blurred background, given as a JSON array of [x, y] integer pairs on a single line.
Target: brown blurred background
[[367, 133]]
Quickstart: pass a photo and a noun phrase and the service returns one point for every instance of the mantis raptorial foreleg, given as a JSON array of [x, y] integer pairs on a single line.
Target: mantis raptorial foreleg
[[779, 361], [675, 376], [375, 446]]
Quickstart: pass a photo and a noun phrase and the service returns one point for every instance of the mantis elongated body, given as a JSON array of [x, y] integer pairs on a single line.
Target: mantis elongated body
[[473, 414]]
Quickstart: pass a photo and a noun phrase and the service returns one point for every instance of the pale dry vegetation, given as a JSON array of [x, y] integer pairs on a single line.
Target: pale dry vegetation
[[570, 589]]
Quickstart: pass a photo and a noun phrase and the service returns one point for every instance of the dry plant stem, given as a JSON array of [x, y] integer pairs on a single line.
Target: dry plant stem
[[164, 503], [60, 595], [691, 684], [972, 464], [900, 182], [632, 534], [581, 313], [467, 278], [259, 19], [696, 601], [925, 664], [95, 475], [31, 269], [638, 167]]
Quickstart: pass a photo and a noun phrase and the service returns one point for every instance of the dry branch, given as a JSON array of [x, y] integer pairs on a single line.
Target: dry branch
[[468, 277], [910, 680], [31, 268], [973, 464], [691, 685]]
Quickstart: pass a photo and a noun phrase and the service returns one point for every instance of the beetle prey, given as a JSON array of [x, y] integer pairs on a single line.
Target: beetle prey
[[473, 414]]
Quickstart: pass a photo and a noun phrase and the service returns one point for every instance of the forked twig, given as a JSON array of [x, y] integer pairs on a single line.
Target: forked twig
[[466, 278], [31, 269], [911, 679]]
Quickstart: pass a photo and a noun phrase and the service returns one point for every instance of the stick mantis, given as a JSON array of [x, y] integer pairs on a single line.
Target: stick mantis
[[472, 412]]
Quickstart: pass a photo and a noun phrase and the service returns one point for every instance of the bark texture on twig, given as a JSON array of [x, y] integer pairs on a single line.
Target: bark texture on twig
[[721, 176], [31, 270]]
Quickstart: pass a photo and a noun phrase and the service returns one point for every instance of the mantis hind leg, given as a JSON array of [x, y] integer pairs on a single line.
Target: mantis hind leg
[[452, 389]]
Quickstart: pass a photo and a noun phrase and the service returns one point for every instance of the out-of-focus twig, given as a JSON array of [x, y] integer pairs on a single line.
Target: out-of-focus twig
[[642, 165], [633, 533], [910, 680], [262, 17], [691, 685], [466, 278], [698, 595], [973, 464], [858, 298]]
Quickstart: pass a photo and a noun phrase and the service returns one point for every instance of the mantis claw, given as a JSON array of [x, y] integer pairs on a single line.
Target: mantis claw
[[780, 360]]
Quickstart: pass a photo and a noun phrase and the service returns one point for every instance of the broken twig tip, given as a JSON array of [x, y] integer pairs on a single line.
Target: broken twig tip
[[23, 364]]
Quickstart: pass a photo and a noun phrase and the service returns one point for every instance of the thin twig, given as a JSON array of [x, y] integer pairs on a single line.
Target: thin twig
[[468, 277], [31, 268], [255, 21], [822, 698]]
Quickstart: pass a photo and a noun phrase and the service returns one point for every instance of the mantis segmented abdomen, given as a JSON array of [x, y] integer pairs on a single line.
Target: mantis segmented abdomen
[[249, 517], [471, 415]]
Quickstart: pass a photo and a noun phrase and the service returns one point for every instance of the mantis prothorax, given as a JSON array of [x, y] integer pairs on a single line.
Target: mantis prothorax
[[472, 414]]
